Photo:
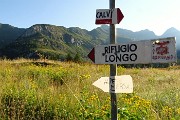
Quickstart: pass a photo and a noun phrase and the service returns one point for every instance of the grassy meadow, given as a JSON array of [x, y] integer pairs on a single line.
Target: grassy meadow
[[63, 91]]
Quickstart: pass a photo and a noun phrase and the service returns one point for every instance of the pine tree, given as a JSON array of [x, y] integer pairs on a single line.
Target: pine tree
[[69, 57], [77, 58]]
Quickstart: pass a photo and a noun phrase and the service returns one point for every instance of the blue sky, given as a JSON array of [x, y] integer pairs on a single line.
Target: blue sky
[[155, 15]]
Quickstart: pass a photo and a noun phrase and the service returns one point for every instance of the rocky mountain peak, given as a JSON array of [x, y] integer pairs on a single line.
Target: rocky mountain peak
[[44, 29], [171, 32]]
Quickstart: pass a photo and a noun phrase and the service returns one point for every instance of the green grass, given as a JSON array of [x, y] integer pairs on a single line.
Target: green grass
[[64, 91]]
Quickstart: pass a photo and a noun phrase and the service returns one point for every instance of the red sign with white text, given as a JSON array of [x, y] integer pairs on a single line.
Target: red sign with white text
[[109, 16]]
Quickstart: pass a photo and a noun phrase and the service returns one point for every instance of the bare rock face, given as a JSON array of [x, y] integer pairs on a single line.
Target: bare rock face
[[43, 29]]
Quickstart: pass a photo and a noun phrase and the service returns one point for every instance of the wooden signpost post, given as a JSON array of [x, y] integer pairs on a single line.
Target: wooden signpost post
[[113, 67]]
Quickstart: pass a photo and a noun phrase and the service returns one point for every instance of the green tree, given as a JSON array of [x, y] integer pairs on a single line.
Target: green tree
[[77, 58], [69, 57]]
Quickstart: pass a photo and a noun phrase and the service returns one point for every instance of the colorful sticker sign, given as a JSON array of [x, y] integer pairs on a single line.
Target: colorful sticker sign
[[163, 51]]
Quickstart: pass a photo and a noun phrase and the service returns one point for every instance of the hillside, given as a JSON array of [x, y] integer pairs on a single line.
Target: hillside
[[56, 42], [49, 40], [144, 34], [9, 33]]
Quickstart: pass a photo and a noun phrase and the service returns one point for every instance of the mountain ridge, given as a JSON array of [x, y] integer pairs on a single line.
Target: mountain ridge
[[58, 41], [9, 33]]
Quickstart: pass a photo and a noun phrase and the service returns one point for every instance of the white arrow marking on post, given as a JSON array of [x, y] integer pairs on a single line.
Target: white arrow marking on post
[[123, 84]]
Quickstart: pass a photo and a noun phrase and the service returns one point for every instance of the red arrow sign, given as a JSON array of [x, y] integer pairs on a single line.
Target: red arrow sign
[[91, 55], [109, 16], [120, 16]]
